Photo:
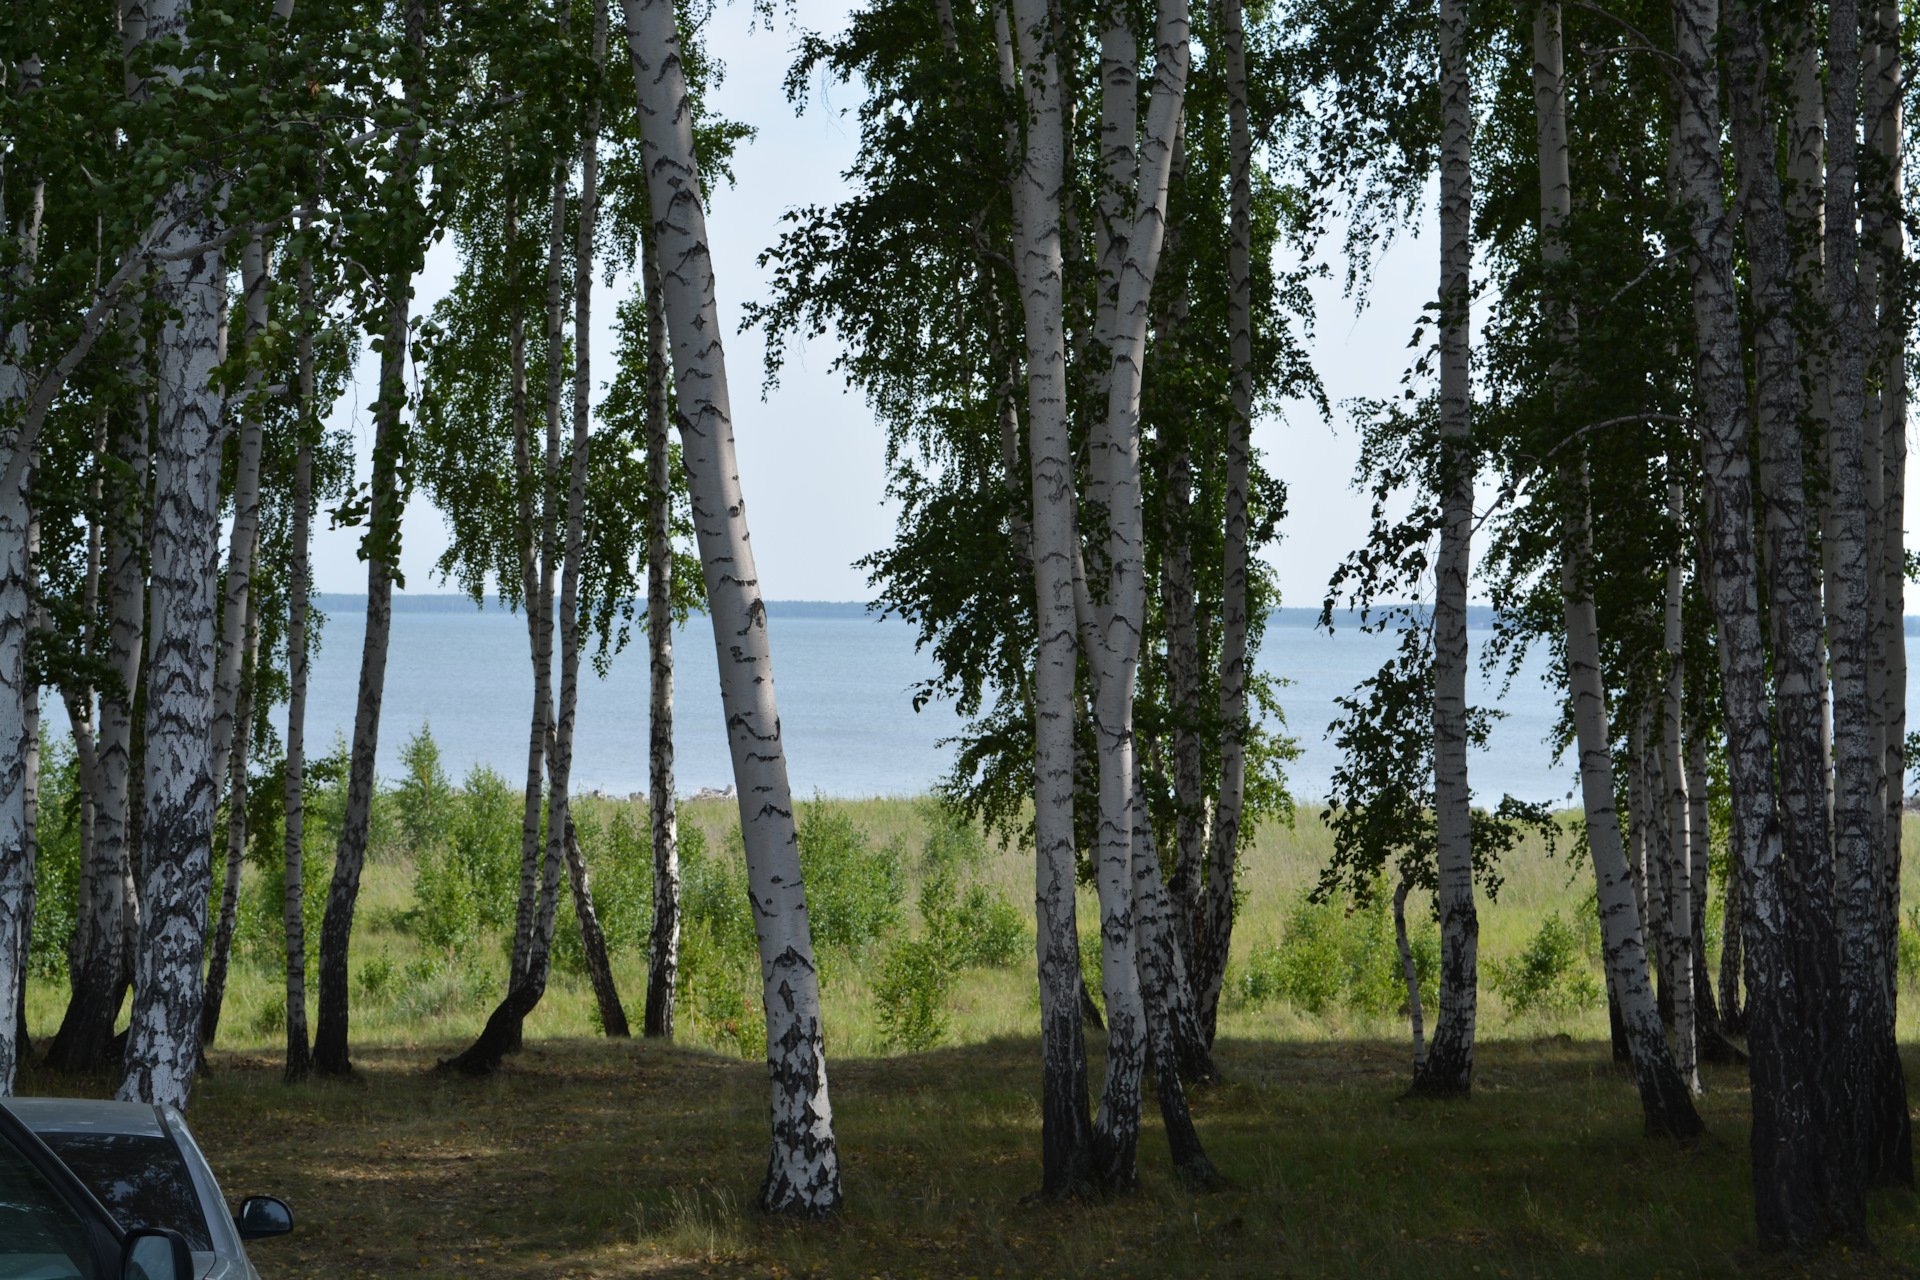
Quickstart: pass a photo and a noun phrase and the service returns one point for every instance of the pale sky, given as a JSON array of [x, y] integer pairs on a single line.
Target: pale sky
[[811, 456]]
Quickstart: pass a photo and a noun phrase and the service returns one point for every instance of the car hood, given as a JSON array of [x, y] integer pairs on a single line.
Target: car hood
[[211, 1266]]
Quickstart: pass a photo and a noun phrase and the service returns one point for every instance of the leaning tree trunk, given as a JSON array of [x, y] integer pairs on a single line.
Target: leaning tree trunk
[[1788, 1202], [1891, 1152], [217, 964], [299, 1054], [803, 1169], [1664, 1095], [593, 941], [540, 864], [1213, 932], [1168, 1000], [537, 603], [245, 539], [382, 545], [1449, 1066], [1066, 1134], [86, 1032], [663, 941]]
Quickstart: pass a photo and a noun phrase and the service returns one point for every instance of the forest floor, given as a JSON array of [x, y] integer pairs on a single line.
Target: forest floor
[[597, 1158]]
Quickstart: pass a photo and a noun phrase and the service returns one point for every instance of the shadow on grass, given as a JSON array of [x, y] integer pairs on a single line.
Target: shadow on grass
[[589, 1158]]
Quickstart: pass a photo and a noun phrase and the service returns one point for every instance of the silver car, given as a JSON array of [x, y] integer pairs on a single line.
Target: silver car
[[144, 1166]]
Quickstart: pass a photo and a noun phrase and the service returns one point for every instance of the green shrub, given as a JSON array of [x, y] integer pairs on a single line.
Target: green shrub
[[972, 923], [436, 986], [854, 890], [376, 977], [911, 993], [272, 1018], [1550, 975], [466, 871], [720, 992], [713, 893], [1908, 948], [424, 796], [1334, 955], [56, 869]]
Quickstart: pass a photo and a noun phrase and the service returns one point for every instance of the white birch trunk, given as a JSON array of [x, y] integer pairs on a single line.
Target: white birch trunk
[[1066, 1134], [1859, 809], [1891, 1154], [218, 962], [245, 539], [1679, 813], [1663, 1090], [16, 850], [803, 1173], [299, 582], [386, 501], [1787, 1202], [613, 1018], [1449, 1064], [1664, 1096], [663, 943], [1213, 933], [1409, 974], [179, 787], [1134, 227]]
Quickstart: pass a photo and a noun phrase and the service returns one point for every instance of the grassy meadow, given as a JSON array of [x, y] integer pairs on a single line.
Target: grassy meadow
[[589, 1157]]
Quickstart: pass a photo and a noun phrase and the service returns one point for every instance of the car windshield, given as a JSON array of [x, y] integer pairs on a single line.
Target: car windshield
[[142, 1180], [40, 1237]]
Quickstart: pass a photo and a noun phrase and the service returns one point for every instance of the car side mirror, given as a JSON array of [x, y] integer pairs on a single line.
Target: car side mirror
[[152, 1254], [263, 1216]]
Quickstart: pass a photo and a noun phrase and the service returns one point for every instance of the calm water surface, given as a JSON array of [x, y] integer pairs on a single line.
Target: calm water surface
[[845, 683]]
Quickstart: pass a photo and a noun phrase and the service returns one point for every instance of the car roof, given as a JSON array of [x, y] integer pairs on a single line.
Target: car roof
[[87, 1115]]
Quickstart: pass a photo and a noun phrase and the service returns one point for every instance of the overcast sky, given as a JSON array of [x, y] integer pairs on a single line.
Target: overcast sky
[[810, 454]]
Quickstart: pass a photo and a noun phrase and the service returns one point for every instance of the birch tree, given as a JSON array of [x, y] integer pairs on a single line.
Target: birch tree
[[20, 217], [663, 939], [293, 913], [1663, 1088], [386, 500], [1789, 1197], [178, 786], [803, 1174], [1066, 1136], [1448, 1068]]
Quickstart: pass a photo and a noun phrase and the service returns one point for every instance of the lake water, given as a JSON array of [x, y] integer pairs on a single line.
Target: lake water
[[844, 681]]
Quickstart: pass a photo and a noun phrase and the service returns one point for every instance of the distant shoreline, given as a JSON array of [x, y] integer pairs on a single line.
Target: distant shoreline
[[1479, 616]]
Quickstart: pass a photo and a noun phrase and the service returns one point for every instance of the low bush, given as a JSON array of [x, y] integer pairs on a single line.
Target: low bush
[[911, 991], [1334, 954], [1550, 976], [855, 890]]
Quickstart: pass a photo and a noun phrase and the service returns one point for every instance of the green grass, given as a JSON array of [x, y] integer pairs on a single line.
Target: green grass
[[590, 1157]]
